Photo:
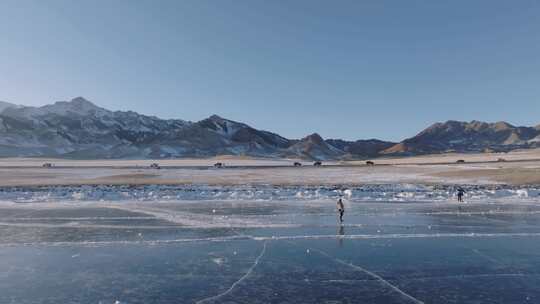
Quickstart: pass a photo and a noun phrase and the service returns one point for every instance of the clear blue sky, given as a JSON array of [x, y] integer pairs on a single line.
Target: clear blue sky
[[350, 69]]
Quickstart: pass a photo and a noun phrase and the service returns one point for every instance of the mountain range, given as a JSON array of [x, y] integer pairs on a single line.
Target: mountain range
[[80, 129]]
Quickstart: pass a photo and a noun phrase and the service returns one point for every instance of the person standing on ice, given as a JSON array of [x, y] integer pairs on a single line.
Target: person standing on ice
[[460, 193], [341, 209]]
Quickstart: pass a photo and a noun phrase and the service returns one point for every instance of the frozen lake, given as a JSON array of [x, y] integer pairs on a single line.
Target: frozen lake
[[399, 244]]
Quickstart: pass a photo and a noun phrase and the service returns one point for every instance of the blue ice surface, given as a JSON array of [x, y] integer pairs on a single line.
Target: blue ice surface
[[271, 252]]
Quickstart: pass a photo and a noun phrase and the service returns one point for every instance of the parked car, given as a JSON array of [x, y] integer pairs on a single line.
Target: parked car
[[47, 165], [370, 163], [460, 161], [155, 166], [297, 164], [317, 164], [219, 165]]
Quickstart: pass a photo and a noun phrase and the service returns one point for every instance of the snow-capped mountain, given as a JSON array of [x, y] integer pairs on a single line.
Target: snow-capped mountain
[[80, 129]]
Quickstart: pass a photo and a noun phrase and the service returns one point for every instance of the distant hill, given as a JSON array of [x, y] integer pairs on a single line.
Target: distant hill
[[474, 136], [80, 129], [314, 147], [366, 148]]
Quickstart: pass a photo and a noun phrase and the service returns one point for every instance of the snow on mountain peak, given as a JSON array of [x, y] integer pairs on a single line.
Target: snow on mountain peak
[[77, 106], [81, 102], [216, 117]]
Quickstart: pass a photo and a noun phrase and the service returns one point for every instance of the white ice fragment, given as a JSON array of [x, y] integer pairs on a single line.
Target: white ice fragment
[[78, 195], [522, 193]]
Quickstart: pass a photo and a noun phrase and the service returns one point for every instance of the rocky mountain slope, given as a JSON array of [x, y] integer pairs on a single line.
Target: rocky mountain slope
[[314, 147], [474, 136], [4, 105]]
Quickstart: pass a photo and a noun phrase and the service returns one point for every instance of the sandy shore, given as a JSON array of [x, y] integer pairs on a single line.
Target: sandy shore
[[520, 167], [511, 173], [229, 161], [451, 158]]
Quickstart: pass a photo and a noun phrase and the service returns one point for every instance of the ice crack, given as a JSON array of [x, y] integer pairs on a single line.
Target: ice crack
[[373, 275], [245, 276]]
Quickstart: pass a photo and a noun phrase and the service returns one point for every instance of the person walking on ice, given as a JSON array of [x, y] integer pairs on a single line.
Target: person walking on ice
[[341, 209], [460, 193]]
